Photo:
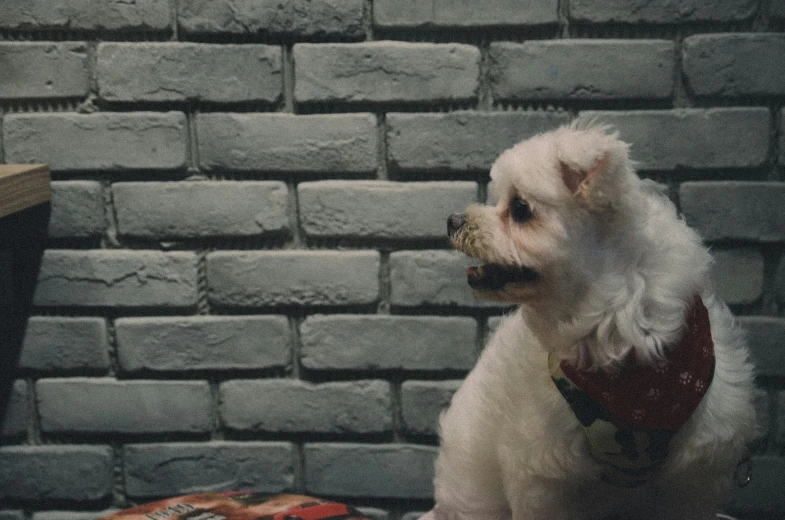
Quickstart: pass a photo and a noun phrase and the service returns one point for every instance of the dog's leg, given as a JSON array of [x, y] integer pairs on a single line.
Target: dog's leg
[[468, 485]]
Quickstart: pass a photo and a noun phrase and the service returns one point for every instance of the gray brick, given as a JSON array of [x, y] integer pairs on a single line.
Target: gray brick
[[103, 405], [178, 71], [383, 342], [734, 210], [300, 18], [461, 141], [738, 275], [274, 278], [43, 69], [154, 470], [385, 71], [99, 141], [59, 344], [72, 515], [12, 514], [72, 473], [116, 278], [203, 343], [446, 13], [733, 65], [764, 494], [693, 138], [431, 277], [766, 336], [73, 14], [381, 209], [362, 470], [77, 210], [345, 143], [422, 402], [582, 69], [17, 412], [290, 406], [155, 210], [661, 11]]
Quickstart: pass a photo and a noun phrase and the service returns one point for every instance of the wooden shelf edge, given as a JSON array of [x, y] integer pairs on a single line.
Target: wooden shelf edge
[[23, 186]]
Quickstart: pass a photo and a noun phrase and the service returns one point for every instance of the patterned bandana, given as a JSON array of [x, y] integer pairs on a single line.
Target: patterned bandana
[[630, 415]]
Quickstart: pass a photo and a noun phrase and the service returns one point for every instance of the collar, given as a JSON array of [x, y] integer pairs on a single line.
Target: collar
[[629, 416], [661, 395]]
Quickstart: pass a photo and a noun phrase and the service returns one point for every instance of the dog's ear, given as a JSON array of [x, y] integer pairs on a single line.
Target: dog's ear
[[577, 178], [594, 166]]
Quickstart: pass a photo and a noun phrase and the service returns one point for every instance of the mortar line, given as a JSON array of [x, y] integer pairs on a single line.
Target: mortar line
[[298, 465], [193, 143], [483, 333], [382, 170], [111, 342], [293, 212], [296, 346], [563, 19], [681, 94], [110, 238], [287, 66], [368, 19], [482, 191], [34, 421], [118, 466], [396, 391], [385, 287], [215, 409], [92, 68], [175, 25], [202, 298], [484, 91]]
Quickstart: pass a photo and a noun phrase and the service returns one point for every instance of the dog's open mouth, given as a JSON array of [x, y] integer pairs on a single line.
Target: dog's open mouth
[[492, 277]]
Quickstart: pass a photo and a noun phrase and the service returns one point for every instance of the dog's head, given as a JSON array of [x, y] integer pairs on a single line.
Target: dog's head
[[559, 197]]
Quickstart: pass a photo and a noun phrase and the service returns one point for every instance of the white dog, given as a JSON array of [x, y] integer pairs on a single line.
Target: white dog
[[620, 388]]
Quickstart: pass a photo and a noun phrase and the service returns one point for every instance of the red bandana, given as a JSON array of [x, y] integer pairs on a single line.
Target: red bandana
[[661, 396]]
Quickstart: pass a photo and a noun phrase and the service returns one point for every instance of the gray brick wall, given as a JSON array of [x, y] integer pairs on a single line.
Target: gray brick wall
[[247, 283]]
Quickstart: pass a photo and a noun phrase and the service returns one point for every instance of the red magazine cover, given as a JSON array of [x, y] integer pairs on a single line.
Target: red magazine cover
[[239, 505]]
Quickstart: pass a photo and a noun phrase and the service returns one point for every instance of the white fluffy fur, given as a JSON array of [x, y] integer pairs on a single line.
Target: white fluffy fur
[[616, 266]]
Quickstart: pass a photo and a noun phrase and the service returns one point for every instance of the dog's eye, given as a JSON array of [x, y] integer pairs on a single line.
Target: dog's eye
[[520, 211]]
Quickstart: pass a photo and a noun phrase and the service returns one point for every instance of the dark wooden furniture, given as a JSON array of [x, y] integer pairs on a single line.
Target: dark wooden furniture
[[25, 196]]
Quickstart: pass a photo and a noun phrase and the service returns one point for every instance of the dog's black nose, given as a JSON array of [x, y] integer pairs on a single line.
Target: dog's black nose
[[455, 222]]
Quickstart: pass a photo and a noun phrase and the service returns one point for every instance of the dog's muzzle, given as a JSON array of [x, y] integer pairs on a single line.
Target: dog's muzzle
[[487, 277]]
